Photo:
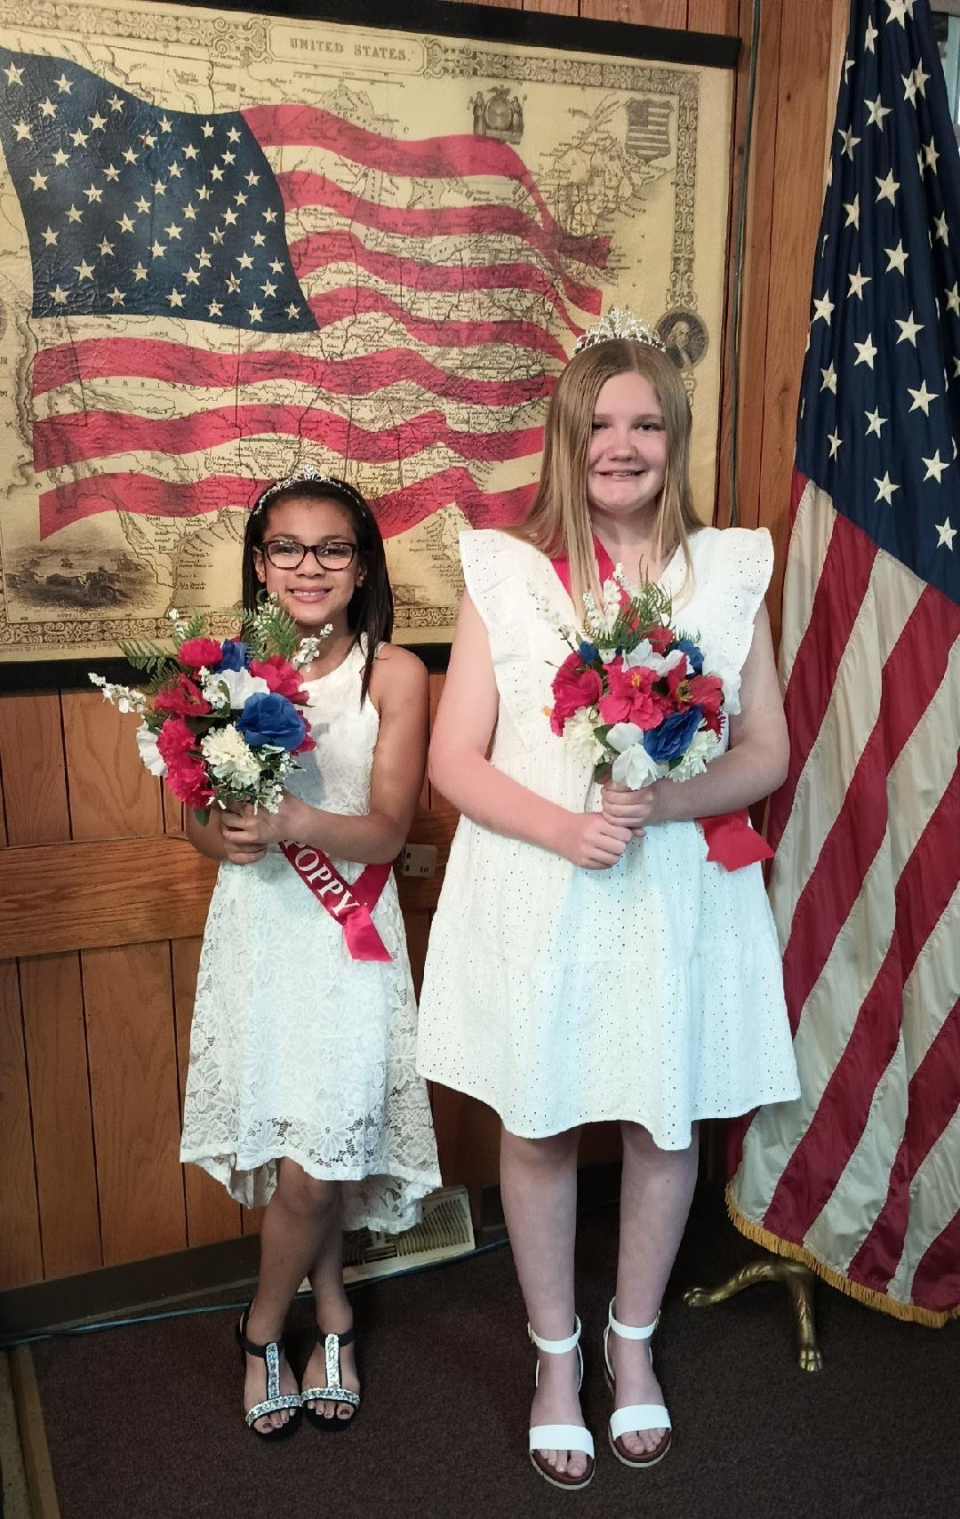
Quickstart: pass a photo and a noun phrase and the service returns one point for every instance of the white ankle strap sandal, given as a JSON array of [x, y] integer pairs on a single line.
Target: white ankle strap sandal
[[636, 1417], [571, 1437]]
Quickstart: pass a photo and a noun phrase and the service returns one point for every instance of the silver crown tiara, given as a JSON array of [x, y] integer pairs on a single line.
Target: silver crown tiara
[[302, 474], [619, 323]]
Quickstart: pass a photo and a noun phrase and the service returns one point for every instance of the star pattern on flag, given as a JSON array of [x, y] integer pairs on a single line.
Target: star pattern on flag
[[132, 208], [884, 338]]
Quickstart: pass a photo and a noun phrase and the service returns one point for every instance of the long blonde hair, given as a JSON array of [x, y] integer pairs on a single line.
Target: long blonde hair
[[559, 519]]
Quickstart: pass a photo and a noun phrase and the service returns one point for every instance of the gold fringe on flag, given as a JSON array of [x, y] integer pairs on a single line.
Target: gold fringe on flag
[[879, 1300]]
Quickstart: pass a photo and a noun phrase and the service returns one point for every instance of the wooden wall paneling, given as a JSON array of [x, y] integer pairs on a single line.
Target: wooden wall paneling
[[56, 1047], [112, 794], [723, 506], [468, 1138], [128, 998], [668, 13], [552, 7], [211, 1212], [174, 820], [417, 925], [21, 1257], [439, 806], [34, 784], [755, 294], [721, 16], [94, 895], [251, 1219], [807, 94], [3, 810]]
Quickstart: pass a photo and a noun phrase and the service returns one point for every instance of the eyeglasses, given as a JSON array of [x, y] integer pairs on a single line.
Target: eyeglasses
[[333, 555]]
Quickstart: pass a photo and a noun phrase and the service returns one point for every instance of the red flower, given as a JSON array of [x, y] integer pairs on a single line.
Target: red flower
[[706, 692], [703, 691], [188, 780], [186, 772], [307, 744], [182, 697], [575, 685], [175, 741], [659, 637], [200, 651], [281, 677], [632, 698]]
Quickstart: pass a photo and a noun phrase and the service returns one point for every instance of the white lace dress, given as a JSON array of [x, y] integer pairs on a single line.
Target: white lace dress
[[651, 991], [297, 1049]]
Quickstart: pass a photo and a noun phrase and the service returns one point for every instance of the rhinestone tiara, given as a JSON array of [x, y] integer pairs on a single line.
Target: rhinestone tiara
[[300, 476], [619, 323]]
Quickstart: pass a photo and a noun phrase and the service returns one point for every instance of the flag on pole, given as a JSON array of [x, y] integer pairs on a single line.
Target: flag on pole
[[860, 1177]]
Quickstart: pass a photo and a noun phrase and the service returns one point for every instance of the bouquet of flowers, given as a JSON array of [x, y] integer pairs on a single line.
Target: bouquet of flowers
[[633, 694], [222, 720]]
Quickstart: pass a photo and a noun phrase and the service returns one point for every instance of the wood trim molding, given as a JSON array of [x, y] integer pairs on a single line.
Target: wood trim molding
[[101, 893]]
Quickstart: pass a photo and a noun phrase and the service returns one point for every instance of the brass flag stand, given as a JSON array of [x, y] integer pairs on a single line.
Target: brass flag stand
[[799, 1281]]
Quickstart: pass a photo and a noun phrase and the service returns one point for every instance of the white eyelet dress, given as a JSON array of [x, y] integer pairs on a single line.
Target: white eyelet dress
[[297, 1049], [651, 991]]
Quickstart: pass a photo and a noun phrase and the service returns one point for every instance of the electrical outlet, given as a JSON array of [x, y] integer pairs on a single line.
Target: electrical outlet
[[419, 860]]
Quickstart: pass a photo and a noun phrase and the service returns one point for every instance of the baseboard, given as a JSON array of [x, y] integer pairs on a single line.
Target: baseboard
[[227, 1271], [162, 1282]]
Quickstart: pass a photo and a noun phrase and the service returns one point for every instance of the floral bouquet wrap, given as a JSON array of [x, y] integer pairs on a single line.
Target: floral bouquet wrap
[[633, 694], [222, 720]]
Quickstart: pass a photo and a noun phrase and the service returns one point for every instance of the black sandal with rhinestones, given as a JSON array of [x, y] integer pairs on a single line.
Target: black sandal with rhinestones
[[275, 1399], [334, 1392]]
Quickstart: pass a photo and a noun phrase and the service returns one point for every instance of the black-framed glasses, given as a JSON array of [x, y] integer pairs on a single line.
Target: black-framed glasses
[[335, 554]]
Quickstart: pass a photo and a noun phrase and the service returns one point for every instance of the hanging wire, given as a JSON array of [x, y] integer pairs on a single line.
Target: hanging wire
[[738, 270]]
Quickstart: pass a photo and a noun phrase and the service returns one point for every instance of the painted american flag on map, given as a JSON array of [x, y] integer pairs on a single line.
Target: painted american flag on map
[[203, 283]]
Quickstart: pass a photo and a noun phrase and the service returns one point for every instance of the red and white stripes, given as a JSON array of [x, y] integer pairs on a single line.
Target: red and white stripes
[[861, 1175]]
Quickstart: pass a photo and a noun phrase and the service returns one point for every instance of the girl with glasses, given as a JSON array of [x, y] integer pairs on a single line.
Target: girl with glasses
[[301, 1093]]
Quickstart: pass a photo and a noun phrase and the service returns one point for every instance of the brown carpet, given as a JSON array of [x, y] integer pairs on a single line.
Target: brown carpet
[[146, 1421]]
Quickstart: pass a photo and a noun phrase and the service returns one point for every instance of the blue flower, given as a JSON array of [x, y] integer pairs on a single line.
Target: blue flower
[[235, 655], [588, 652], [692, 651], [673, 737], [269, 718]]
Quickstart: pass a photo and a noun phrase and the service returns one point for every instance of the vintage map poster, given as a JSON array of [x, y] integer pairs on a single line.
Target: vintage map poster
[[231, 243]]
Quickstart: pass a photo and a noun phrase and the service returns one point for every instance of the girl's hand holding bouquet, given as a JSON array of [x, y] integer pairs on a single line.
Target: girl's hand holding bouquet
[[632, 698], [222, 720]]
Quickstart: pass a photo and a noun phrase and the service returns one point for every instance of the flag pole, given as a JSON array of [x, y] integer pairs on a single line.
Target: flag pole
[[796, 1278]]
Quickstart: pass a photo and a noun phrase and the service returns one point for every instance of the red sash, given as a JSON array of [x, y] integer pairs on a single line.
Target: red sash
[[351, 905], [731, 841]]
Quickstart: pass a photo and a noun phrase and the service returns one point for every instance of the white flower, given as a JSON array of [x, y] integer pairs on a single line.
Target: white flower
[[214, 691], [309, 648], [126, 698], [633, 766], [601, 620], [229, 756], [660, 664], [638, 656], [149, 753], [579, 732], [697, 757], [238, 684]]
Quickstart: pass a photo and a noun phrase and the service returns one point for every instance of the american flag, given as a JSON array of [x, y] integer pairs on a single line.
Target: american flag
[[204, 285], [861, 1176]]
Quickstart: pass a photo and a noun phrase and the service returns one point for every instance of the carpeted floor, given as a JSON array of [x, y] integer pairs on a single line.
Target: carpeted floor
[[146, 1420]]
